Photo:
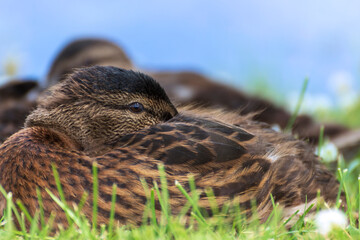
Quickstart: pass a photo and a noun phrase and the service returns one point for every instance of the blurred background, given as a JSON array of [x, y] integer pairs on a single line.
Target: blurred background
[[263, 47]]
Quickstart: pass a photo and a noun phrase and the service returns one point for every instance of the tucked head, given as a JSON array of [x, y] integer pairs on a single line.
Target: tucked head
[[96, 106]]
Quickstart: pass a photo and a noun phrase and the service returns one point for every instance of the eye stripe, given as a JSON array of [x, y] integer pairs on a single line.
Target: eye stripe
[[126, 107], [165, 115], [113, 106]]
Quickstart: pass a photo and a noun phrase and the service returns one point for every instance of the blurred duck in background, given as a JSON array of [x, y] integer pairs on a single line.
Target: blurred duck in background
[[189, 88], [14, 105], [84, 53]]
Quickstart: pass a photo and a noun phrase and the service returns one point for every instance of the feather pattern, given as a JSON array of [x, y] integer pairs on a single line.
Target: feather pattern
[[236, 157]]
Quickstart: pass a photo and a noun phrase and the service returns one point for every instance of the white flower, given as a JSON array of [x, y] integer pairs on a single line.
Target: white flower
[[184, 92], [348, 100], [276, 128], [325, 220], [328, 152], [341, 82]]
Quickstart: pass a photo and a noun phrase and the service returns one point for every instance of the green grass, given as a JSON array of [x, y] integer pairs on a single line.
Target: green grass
[[298, 106], [227, 221]]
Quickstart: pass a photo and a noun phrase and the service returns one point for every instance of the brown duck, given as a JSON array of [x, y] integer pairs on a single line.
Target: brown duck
[[125, 122]]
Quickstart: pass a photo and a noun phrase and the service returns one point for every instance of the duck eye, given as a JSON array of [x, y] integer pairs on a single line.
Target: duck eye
[[136, 107]]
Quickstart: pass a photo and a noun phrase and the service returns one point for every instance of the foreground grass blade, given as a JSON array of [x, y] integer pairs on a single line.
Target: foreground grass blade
[[95, 195], [152, 207], [112, 210], [9, 220], [197, 212], [59, 188], [164, 207], [42, 217], [343, 176], [20, 219], [24, 210], [212, 201], [65, 208], [164, 189]]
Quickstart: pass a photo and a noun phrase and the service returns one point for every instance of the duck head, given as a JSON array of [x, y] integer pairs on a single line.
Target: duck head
[[96, 106]]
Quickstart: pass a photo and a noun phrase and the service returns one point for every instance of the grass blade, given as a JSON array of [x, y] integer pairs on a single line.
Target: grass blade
[[95, 195], [212, 201], [194, 205], [24, 210], [298, 106], [348, 203], [164, 190], [321, 140], [41, 206], [152, 207], [60, 191], [164, 208], [64, 207], [112, 210]]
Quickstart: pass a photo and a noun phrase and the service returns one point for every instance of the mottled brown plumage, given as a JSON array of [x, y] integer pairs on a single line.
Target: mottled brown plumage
[[90, 117]]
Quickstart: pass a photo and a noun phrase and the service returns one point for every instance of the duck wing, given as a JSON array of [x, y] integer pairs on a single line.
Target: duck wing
[[188, 140]]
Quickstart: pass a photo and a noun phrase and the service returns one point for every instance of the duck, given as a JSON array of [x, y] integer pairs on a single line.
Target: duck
[[17, 89], [186, 88], [124, 122]]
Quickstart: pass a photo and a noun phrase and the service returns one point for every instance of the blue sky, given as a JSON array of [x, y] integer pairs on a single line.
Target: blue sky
[[233, 41]]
